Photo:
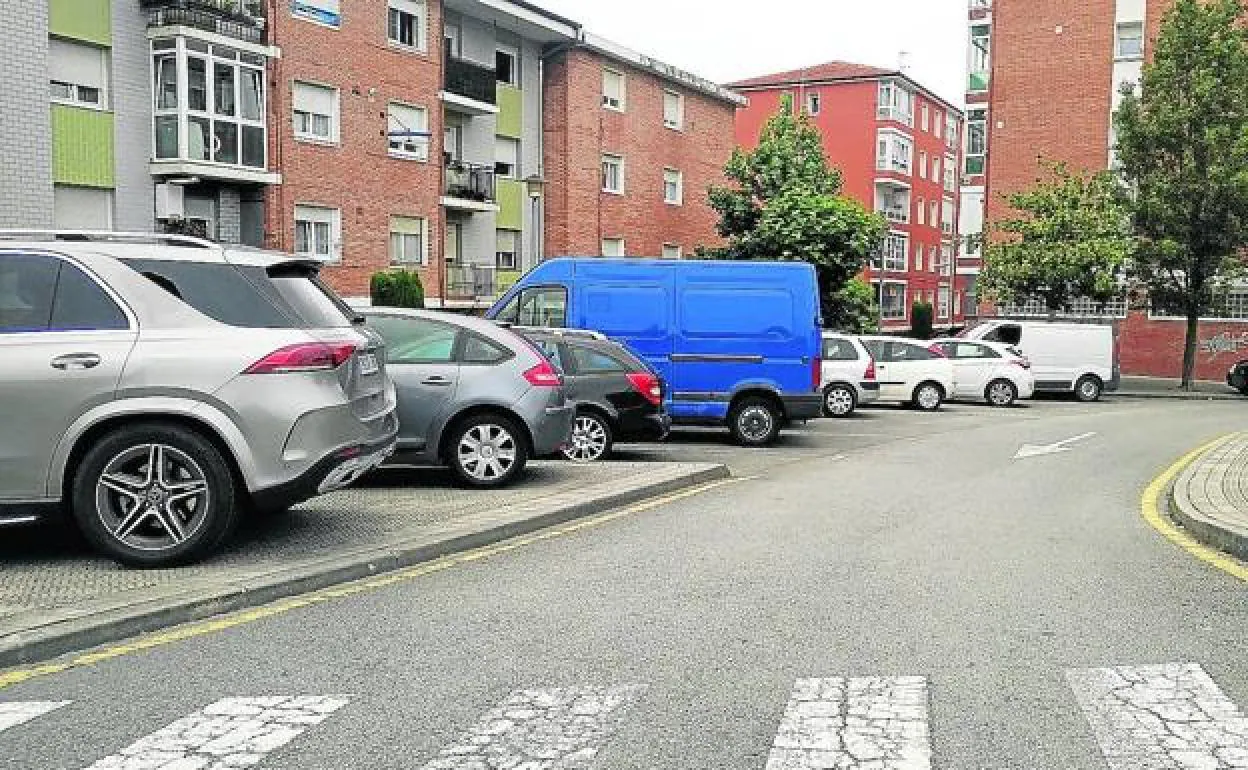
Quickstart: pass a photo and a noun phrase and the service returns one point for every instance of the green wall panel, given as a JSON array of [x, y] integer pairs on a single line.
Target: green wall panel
[[82, 146], [89, 20], [510, 111], [510, 194]]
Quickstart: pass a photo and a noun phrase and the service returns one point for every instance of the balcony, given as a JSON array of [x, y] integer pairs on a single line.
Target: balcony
[[469, 187], [895, 213], [470, 87], [478, 284], [239, 19]]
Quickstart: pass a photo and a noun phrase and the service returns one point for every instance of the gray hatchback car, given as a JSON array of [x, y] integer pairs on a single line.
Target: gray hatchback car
[[161, 385], [473, 396]]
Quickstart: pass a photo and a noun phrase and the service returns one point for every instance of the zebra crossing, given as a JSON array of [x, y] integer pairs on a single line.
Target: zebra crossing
[[1154, 717]]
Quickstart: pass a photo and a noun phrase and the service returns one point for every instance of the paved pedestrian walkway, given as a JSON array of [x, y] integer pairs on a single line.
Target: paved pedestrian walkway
[[1167, 387], [1211, 496]]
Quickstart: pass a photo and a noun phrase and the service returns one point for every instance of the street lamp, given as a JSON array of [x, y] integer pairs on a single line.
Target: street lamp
[[535, 185]]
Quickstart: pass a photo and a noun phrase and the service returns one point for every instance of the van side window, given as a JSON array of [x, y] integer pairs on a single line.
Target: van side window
[[1010, 334], [542, 307]]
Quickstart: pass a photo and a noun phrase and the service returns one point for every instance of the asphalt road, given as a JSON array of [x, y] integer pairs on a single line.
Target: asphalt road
[[870, 591]]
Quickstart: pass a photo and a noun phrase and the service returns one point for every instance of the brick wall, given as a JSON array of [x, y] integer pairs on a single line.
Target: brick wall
[[357, 175], [1154, 347], [26, 152], [579, 130]]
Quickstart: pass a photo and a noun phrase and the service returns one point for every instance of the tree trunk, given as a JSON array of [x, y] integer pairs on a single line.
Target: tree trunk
[[1189, 349]]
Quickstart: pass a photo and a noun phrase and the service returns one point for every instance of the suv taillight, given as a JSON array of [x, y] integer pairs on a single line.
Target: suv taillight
[[869, 374], [816, 373], [544, 376], [937, 350], [304, 357], [648, 386]]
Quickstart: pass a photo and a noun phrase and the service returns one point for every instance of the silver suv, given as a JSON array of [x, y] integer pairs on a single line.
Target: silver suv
[[157, 386]]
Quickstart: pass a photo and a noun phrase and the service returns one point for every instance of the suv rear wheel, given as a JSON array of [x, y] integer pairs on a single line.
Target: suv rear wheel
[[928, 396], [154, 495], [839, 400], [487, 450]]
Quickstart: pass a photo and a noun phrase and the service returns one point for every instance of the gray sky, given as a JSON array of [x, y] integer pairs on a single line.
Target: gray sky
[[726, 40]]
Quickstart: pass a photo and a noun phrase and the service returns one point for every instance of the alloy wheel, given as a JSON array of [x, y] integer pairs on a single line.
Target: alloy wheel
[[589, 440], [487, 452], [152, 497], [928, 398], [838, 401], [1000, 394], [755, 422]]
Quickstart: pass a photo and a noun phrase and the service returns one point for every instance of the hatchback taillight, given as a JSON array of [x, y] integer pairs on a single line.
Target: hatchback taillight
[[648, 386], [304, 357], [544, 376], [869, 374]]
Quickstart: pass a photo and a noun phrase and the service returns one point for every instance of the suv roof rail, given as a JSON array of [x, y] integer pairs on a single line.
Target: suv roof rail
[[107, 236]]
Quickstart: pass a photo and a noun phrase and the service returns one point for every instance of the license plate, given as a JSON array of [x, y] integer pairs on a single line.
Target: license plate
[[368, 364]]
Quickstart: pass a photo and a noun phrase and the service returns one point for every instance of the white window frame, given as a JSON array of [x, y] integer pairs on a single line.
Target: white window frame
[[921, 213], [936, 167], [514, 53], [75, 80], [403, 259], [408, 147], [605, 249], [814, 103], [327, 13], [903, 304], [979, 53], [976, 117], [933, 259], [951, 130], [895, 102], [672, 251], [499, 143], [670, 174], [925, 119], [617, 161], [1118, 40], [617, 102], [315, 214], [892, 203], [419, 10], [891, 159], [948, 213], [923, 164], [896, 251], [938, 120], [499, 262], [918, 257], [951, 174], [333, 116], [678, 123]]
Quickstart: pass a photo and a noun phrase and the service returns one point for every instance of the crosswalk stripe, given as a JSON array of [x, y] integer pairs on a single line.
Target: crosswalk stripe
[[14, 714], [859, 722], [1161, 717], [231, 733], [541, 730]]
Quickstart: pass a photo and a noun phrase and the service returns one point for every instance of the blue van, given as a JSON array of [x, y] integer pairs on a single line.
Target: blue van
[[736, 342]]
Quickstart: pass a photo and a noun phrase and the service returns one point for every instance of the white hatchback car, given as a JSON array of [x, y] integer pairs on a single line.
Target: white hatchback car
[[848, 375], [912, 371], [989, 371]]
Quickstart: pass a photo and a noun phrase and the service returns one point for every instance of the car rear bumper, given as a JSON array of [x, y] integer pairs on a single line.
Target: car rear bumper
[[336, 470], [553, 429], [806, 406], [638, 426]]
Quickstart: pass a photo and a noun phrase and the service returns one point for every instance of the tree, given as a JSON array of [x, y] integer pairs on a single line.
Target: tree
[[1071, 240], [852, 309], [921, 314], [1182, 146], [396, 288], [785, 204]]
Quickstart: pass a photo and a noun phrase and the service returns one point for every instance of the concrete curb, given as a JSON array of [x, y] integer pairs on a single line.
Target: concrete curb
[[94, 628], [1176, 395], [1222, 535]]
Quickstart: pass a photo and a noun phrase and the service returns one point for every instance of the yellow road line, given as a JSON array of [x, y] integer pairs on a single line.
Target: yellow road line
[[244, 617], [1151, 509]]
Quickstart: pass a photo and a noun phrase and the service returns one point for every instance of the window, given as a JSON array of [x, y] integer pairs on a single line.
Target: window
[[322, 11], [933, 213], [408, 129], [406, 24], [951, 131], [613, 90], [957, 303], [27, 285], [895, 103], [673, 186], [976, 141], [246, 297], [942, 302], [936, 169], [951, 174], [507, 250], [946, 217], [78, 74], [506, 157], [937, 123], [813, 103], [507, 66], [613, 174], [923, 164], [409, 241], [921, 210], [673, 111], [896, 249], [612, 247], [893, 307], [918, 258], [894, 152], [479, 350], [893, 203], [452, 38], [317, 232], [587, 361], [316, 112], [1130, 40], [415, 340], [671, 251], [839, 349], [925, 120], [980, 65], [540, 307]]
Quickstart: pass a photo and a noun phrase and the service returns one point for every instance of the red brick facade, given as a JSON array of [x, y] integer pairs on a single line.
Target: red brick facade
[[579, 130], [1155, 347], [356, 174]]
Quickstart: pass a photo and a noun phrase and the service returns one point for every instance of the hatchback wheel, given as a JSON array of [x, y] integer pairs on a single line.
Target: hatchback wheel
[[591, 439], [755, 422], [929, 396], [839, 401], [487, 451], [155, 496], [1001, 393]]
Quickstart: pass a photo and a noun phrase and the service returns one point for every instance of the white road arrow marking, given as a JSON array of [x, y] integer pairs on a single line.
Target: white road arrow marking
[[14, 714], [560, 728], [863, 722], [1161, 717], [1036, 450], [231, 733]]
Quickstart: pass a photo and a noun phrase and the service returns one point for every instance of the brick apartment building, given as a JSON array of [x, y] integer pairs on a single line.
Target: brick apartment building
[[898, 146], [1048, 90]]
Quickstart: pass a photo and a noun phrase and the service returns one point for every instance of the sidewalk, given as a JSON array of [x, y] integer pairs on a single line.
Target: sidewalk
[[56, 597], [1210, 497], [1165, 387]]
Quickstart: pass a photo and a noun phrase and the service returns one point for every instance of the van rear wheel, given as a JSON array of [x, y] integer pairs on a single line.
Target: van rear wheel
[[755, 422], [1088, 389]]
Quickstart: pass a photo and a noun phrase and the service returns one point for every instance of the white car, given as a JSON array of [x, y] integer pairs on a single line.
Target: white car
[[912, 371], [989, 371], [848, 375]]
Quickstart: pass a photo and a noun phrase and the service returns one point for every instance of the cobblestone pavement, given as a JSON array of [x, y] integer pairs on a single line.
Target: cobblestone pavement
[[1211, 496]]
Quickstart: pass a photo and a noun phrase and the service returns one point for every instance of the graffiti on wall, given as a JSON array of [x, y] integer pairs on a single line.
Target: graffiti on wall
[[1224, 343]]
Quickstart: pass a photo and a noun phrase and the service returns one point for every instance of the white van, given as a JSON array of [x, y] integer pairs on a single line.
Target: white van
[[1066, 357]]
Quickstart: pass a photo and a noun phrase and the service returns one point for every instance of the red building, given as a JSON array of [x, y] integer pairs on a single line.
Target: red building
[[898, 147]]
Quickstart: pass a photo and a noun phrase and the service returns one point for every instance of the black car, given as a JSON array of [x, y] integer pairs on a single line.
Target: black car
[[618, 396], [1237, 377]]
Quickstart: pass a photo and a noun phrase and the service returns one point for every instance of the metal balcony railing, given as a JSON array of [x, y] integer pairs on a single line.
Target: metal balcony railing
[[471, 282], [475, 81], [239, 19], [895, 213], [470, 181]]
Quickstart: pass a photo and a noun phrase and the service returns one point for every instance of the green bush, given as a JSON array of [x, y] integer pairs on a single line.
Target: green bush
[[921, 325], [396, 288]]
